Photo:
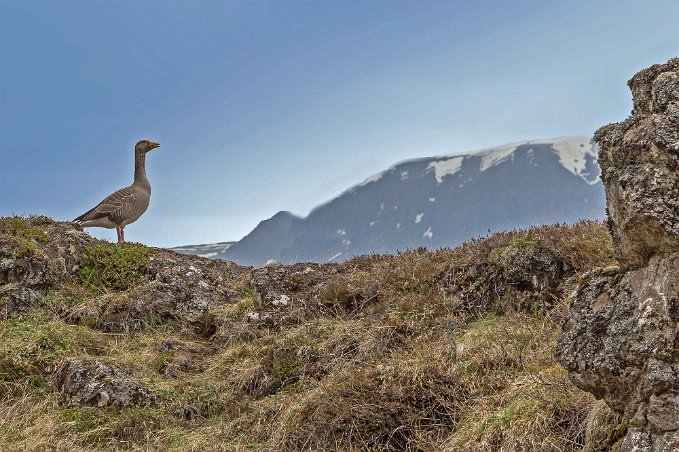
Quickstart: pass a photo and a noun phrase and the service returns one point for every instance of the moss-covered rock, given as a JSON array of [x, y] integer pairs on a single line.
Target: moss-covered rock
[[604, 429], [36, 255]]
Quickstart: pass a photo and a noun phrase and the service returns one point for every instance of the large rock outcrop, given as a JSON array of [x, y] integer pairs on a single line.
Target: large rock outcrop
[[620, 340], [639, 160]]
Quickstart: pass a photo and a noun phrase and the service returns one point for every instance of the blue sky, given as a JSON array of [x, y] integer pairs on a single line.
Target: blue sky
[[263, 106]]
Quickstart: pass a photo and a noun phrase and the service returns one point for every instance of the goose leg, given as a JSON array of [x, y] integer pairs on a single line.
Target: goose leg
[[122, 232], [119, 230]]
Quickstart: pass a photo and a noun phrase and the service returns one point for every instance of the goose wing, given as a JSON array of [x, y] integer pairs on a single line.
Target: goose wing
[[117, 202]]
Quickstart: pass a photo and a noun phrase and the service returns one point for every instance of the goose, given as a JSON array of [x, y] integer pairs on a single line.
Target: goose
[[126, 205]]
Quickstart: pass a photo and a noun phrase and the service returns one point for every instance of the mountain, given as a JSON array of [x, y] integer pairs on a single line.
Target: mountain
[[438, 202]]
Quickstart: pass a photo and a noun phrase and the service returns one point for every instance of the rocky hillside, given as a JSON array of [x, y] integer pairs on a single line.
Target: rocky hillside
[[107, 347], [438, 202], [620, 341]]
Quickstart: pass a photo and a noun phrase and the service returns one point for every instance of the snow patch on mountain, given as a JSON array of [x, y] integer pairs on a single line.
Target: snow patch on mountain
[[373, 178], [209, 250], [494, 156], [573, 154], [445, 167], [335, 256]]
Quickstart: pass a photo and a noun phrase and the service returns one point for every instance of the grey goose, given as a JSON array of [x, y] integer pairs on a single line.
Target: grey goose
[[127, 204]]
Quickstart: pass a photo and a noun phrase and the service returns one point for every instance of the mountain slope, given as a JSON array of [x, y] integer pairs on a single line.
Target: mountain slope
[[437, 202]]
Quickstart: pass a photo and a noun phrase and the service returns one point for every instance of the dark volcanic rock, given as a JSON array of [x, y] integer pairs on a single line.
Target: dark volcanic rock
[[279, 288], [620, 340], [97, 384], [281, 285], [620, 343]]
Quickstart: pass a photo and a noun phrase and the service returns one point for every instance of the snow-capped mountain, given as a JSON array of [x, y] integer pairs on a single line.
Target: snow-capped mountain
[[437, 202], [211, 250]]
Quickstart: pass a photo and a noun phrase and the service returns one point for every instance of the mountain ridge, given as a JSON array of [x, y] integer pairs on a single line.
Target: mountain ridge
[[436, 202]]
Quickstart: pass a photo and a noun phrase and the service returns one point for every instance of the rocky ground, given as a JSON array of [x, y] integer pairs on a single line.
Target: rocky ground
[[128, 347]]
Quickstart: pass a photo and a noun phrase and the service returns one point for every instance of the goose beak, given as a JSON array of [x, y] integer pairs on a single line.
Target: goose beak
[[153, 145]]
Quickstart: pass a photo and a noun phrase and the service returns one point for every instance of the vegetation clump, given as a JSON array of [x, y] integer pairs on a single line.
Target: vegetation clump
[[23, 236], [106, 266], [31, 348]]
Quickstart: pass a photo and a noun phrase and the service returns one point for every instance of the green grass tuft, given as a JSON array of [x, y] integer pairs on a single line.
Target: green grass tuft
[[23, 236], [31, 348], [106, 266]]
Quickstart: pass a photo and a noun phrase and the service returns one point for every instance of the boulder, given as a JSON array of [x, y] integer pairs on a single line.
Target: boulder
[[94, 383]]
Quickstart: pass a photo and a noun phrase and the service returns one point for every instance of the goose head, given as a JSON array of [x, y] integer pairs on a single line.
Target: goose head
[[144, 146]]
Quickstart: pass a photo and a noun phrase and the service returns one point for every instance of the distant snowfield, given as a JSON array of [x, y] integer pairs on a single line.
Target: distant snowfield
[[335, 256], [494, 156], [209, 250], [372, 179], [446, 167], [573, 153]]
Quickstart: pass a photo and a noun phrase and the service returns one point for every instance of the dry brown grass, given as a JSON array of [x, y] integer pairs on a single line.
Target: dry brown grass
[[443, 350]]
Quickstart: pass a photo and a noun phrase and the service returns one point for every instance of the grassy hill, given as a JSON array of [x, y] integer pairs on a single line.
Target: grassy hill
[[424, 350]]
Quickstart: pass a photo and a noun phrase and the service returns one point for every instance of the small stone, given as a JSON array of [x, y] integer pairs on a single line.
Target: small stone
[[282, 301], [252, 316]]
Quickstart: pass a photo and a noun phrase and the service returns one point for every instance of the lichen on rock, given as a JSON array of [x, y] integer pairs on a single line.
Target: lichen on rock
[[639, 160], [95, 383], [621, 335]]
